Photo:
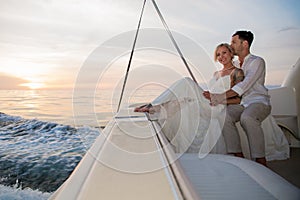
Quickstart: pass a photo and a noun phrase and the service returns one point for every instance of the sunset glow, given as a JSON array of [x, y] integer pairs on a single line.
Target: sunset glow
[[44, 47], [34, 86]]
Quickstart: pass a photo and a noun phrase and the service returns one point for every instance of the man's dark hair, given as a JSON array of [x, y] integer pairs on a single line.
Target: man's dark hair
[[245, 35]]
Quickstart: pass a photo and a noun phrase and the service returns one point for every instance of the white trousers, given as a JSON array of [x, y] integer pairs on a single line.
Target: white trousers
[[250, 118]]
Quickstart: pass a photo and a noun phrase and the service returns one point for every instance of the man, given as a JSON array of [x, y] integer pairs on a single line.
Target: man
[[255, 103]]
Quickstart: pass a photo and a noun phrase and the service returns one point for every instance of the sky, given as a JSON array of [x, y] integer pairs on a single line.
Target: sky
[[45, 44]]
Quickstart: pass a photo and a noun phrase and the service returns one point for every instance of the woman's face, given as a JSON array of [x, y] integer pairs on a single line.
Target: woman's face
[[224, 56]]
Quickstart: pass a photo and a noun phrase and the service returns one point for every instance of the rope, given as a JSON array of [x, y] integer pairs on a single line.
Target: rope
[[131, 55], [173, 40]]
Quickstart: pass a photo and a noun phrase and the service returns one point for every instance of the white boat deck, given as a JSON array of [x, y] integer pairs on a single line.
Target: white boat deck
[[125, 162], [131, 160]]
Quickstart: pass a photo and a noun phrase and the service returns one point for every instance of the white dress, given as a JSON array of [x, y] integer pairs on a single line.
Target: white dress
[[193, 126]]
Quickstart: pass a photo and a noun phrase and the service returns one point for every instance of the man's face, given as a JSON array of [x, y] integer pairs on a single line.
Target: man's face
[[236, 45]]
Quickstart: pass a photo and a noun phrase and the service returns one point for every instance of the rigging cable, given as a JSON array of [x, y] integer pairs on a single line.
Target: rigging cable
[[131, 55], [173, 40], [134, 43]]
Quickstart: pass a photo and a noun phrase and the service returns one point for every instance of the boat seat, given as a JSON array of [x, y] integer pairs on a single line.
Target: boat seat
[[285, 112], [226, 177]]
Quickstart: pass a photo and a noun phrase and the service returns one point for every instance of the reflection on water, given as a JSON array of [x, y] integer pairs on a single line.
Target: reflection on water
[[62, 106], [46, 105]]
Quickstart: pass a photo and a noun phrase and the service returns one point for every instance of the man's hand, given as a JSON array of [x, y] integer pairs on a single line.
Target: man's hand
[[206, 94]]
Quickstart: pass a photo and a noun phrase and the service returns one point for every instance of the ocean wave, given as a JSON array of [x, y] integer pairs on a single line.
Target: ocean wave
[[40, 155], [13, 193]]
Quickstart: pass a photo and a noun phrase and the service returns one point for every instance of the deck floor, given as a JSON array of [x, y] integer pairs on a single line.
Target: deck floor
[[288, 169]]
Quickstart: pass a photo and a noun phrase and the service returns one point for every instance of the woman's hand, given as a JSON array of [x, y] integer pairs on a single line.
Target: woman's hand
[[217, 99]]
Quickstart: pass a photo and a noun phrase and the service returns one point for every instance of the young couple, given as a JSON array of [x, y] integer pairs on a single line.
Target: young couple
[[236, 94]]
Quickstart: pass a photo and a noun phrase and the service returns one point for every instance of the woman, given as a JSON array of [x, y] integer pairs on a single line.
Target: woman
[[185, 113], [224, 55]]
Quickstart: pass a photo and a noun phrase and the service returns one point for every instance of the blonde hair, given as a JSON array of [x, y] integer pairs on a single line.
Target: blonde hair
[[223, 45]]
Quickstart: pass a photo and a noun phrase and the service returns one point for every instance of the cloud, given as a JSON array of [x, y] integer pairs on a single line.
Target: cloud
[[10, 82], [289, 28], [56, 36]]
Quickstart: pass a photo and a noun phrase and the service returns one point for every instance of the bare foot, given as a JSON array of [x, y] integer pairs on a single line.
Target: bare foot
[[143, 108]]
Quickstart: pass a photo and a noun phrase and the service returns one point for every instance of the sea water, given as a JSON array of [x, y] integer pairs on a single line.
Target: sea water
[[37, 156], [42, 138]]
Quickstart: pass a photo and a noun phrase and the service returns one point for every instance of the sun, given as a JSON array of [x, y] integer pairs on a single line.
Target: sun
[[33, 85]]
